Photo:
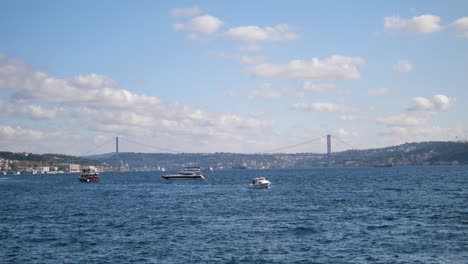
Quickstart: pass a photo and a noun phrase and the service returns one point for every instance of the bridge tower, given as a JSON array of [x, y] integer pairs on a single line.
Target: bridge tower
[[329, 150], [116, 144], [119, 164]]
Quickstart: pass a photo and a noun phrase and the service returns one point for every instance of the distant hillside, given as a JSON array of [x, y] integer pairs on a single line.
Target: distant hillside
[[433, 152], [423, 153], [46, 159]]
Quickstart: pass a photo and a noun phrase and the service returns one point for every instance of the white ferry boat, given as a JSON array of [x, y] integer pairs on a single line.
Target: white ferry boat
[[188, 173]]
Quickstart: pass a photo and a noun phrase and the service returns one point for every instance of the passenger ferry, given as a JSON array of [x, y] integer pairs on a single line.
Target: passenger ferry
[[188, 173], [89, 174]]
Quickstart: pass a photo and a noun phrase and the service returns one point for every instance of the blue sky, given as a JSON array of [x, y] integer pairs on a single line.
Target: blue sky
[[215, 76]]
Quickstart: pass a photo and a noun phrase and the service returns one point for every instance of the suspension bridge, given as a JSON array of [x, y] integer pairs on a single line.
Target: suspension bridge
[[275, 150], [326, 157]]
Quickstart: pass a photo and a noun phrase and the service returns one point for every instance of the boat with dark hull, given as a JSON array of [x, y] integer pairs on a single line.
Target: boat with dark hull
[[383, 165], [89, 175], [239, 166], [188, 173]]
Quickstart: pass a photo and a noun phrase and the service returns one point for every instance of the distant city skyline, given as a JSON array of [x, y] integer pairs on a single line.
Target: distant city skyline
[[244, 77]]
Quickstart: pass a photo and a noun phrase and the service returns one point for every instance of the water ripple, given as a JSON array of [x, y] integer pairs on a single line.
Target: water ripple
[[355, 215]]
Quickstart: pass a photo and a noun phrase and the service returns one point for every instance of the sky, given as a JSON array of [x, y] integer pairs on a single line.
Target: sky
[[230, 76]]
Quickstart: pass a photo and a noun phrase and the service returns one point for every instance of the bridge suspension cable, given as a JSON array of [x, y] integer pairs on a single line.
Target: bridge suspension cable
[[296, 145], [98, 147], [177, 152], [146, 145], [352, 147], [342, 141]]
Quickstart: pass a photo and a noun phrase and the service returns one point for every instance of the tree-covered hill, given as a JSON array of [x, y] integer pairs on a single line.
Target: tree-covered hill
[[422, 153], [46, 159]]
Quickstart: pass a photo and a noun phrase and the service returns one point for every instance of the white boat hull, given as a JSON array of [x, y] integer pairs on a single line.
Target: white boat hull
[[188, 173], [261, 186], [260, 183]]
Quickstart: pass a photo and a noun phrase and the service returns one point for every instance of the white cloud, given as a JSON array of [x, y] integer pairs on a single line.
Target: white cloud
[[21, 139], [86, 106], [349, 117], [253, 59], [255, 33], [403, 66], [402, 121], [418, 114], [251, 47], [437, 103], [415, 124], [342, 134], [265, 92], [94, 81], [422, 103], [442, 102], [31, 111], [178, 26], [461, 24], [9, 133], [379, 91], [186, 11], [28, 85], [319, 107], [421, 133], [205, 24], [257, 114], [317, 87], [176, 120], [423, 24], [336, 67]]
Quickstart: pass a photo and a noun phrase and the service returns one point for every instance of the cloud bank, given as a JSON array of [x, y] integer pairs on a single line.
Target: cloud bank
[[94, 105], [415, 121], [424, 24], [280, 32], [205, 24], [403, 66], [336, 67]]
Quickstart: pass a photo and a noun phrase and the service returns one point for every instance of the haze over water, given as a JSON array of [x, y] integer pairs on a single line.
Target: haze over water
[[328, 215]]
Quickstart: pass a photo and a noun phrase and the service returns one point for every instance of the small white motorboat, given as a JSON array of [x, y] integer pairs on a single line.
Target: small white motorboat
[[260, 182]]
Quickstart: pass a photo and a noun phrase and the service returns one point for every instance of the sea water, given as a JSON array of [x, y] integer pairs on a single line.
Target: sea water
[[322, 215]]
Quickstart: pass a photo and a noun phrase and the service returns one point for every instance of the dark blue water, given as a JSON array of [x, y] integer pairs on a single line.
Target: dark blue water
[[331, 215]]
